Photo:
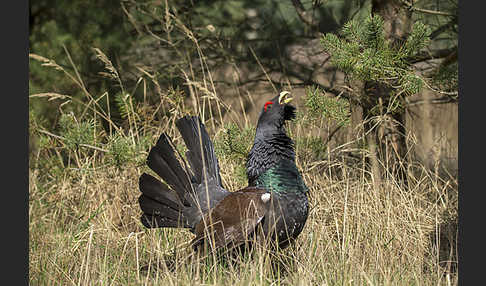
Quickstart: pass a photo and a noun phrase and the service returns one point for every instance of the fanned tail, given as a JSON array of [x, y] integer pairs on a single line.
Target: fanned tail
[[163, 207], [203, 160], [187, 194]]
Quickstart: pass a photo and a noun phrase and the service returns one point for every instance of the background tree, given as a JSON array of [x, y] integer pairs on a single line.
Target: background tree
[[196, 46], [67, 33], [385, 55]]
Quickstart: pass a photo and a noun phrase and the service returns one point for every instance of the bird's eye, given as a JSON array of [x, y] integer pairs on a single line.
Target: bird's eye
[[267, 104]]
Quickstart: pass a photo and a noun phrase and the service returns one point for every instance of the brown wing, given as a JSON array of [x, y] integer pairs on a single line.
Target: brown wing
[[232, 219]]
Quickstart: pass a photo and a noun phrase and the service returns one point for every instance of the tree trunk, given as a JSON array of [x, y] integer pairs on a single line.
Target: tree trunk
[[388, 136], [397, 19]]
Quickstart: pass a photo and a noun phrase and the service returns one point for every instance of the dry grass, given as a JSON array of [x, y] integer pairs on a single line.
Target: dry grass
[[84, 229], [84, 226]]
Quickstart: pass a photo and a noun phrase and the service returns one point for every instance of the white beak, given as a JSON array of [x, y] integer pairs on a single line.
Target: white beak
[[283, 99]]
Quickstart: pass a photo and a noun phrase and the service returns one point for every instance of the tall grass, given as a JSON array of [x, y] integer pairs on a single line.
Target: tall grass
[[84, 226], [84, 229]]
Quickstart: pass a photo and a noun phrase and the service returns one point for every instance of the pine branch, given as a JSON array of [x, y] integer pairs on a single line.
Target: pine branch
[[62, 139]]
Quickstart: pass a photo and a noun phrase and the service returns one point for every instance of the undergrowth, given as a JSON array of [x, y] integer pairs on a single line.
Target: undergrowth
[[84, 226]]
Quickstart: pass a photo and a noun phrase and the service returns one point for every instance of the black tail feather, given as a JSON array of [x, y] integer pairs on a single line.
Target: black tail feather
[[162, 160], [162, 206], [154, 221], [156, 190], [185, 197], [153, 207], [194, 134]]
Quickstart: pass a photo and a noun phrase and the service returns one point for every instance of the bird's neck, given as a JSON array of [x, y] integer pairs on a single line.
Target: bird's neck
[[268, 150]]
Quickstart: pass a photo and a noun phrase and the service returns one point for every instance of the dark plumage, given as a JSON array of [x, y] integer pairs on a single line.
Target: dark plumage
[[274, 205]]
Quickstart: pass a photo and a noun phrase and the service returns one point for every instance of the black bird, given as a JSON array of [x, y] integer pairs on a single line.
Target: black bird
[[273, 205]]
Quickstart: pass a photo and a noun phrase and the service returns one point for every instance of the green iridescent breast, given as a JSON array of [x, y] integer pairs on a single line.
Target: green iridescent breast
[[283, 177]]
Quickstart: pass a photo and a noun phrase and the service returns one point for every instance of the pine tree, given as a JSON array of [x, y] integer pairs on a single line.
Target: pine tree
[[378, 56]]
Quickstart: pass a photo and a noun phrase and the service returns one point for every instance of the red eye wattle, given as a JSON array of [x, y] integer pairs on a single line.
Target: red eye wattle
[[267, 104]]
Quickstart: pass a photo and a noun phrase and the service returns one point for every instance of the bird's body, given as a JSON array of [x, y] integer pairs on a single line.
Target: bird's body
[[274, 205], [288, 211]]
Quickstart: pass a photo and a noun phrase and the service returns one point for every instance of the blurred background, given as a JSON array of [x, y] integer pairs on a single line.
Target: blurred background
[[238, 53]]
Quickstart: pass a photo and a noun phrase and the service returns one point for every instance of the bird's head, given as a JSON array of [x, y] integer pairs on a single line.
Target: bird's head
[[272, 143], [276, 111]]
